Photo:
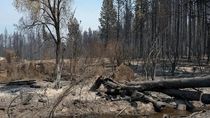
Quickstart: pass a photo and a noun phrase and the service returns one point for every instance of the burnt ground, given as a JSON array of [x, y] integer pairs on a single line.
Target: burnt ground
[[27, 101]]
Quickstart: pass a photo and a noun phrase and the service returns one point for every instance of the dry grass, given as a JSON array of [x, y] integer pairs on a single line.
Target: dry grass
[[44, 69], [124, 73], [24, 70]]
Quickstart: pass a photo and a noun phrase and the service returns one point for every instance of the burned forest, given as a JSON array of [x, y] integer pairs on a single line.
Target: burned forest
[[105, 58]]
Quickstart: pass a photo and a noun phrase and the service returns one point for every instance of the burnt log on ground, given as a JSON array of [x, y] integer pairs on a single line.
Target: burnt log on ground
[[170, 84], [21, 83], [136, 91], [158, 105], [188, 95], [154, 85]]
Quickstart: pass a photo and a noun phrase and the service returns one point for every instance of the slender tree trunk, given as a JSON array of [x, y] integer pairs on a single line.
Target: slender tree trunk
[[190, 31], [118, 20], [58, 65], [204, 28], [58, 57], [178, 38], [208, 42]]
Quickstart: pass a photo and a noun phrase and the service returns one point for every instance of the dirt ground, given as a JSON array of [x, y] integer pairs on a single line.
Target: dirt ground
[[80, 101], [27, 101]]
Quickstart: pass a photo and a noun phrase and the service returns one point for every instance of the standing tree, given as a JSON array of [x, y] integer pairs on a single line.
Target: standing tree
[[5, 38], [1, 44], [190, 30], [53, 14], [138, 24], [119, 4], [108, 21], [73, 42], [127, 27]]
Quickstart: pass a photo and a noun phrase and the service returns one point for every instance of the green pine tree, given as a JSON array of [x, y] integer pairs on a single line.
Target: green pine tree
[[108, 21]]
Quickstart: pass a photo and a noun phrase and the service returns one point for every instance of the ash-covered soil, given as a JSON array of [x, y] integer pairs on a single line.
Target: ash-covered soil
[[24, 101], [38, 101]]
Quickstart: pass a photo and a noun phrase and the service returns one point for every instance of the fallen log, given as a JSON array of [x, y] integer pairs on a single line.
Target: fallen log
[[21, 82], [170, 84], [188, 95], [138, 96], [169, 87], [97, 84], [155, 85]]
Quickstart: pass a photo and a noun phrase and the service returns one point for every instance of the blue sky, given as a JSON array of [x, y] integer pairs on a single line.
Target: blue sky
[[87, 11]]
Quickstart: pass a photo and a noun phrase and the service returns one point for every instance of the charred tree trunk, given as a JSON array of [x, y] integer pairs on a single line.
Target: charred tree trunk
[[190, 30], [208, 42], [58, 66], [170, 84], [58, 58], [154, 85], [188, 95], [133, 92]]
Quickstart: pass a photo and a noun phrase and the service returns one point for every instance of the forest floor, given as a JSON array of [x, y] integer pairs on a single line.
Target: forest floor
[[37, 101]]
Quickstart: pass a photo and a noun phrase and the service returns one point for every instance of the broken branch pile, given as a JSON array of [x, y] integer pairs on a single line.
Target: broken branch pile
[[175, 88]]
